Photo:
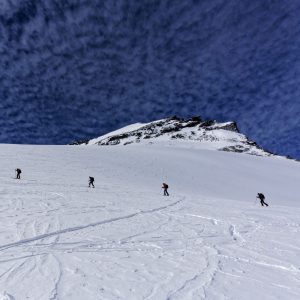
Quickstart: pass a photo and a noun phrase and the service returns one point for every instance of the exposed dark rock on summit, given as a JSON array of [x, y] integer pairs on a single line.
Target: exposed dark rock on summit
[[220, 136]]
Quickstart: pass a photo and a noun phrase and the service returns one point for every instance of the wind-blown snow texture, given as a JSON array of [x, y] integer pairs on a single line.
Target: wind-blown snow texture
[[123, 240], [76, 69]]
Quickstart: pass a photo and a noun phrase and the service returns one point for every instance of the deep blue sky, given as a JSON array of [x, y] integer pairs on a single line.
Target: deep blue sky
[[73, 69]]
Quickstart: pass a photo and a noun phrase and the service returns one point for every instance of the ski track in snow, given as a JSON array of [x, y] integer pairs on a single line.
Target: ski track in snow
[[76, 228], [122, 240]]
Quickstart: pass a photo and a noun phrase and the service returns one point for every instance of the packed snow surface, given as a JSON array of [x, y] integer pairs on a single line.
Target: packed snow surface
[[210, 239]]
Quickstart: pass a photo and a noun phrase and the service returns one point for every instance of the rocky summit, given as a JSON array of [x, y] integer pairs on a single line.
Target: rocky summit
[[207, 133]]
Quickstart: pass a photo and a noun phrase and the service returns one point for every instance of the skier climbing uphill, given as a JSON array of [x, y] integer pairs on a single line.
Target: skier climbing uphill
[[91, 181], [261, 196], [18, 172], [165, 187]]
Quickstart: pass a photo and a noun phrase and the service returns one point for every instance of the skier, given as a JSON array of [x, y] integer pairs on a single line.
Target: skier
[[91, 181], [261, 196], [165, 187], [18, 171]]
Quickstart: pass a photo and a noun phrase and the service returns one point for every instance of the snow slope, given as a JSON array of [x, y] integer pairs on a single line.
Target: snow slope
[[123, 240]]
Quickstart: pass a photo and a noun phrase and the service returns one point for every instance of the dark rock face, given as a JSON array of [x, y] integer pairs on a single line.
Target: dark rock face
[[231, 127], [238, 149], [196, 119], [207, 123]]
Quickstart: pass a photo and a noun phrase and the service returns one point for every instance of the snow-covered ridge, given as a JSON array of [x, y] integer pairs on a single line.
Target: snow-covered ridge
[[210, 134]]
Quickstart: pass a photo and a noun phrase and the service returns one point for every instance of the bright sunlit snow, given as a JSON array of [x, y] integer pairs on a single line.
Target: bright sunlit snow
[[210, 239]]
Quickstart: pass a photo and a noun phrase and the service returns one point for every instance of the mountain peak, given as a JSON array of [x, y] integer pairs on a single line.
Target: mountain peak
[[195, 131]]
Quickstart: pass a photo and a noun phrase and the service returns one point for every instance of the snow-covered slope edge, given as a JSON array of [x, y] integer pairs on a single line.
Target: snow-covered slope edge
[[203, 134]]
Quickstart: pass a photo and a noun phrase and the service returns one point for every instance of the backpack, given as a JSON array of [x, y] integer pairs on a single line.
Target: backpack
[[165, 186], [261, 196]]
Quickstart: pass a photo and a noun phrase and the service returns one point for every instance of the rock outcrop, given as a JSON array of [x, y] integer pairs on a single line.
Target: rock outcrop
[[223, 136]]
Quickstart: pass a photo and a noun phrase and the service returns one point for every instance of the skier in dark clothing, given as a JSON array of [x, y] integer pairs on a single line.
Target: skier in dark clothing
[[18, 171], [165, 187], [91, 182], [261, 196]]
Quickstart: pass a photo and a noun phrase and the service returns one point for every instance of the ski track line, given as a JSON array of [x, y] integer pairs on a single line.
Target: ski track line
[[54, 292], [200, 281], [290, 268], [77, 228], [236, 236], [213, 220]]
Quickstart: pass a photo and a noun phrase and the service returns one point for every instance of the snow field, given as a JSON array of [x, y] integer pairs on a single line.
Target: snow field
[[123, 240]]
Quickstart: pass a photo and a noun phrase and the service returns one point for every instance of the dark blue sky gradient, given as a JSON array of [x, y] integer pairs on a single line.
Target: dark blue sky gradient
[[73, 69]]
